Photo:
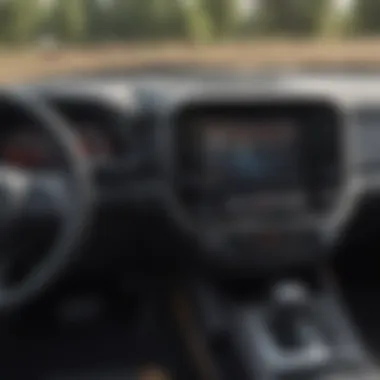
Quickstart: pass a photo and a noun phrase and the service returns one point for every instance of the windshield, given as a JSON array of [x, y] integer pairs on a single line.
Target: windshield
[[44, 37]]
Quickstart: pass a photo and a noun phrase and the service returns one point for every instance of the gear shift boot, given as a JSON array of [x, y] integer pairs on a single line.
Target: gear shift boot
[[296, 334]]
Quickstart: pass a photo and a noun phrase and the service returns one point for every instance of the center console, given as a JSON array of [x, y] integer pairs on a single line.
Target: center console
[[291, 328], [256, 183], [298, 334], [254, 180]]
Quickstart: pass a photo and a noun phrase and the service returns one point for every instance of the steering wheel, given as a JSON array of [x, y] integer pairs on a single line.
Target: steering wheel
[[67, 195]]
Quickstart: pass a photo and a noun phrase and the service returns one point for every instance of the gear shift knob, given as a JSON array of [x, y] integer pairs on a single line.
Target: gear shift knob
[[290, 294], [289, 307]]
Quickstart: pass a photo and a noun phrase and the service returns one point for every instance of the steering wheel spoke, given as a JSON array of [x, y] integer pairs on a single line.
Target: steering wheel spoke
[[32, 195], [49, 196], [14, 188]]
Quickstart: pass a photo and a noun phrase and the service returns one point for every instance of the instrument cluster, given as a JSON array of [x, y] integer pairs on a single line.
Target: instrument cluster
[[27, 147], [23, 144]]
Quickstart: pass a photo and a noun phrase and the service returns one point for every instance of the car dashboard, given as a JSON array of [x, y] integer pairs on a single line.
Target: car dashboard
[[234, 166], [242, 179]]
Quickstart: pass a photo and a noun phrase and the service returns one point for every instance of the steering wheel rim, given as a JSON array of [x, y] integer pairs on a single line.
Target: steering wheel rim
[[72, 226]]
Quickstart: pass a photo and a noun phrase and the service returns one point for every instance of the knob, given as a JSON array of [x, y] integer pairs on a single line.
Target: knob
[[288, 308], [290, 294]]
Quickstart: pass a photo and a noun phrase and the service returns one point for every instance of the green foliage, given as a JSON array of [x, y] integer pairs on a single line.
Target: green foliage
[[132, 19], [366, 20], [5, 17], [223, 15], [20, 20], [335, 22], [148, 19], [331, 22], [70, 21], [348, 28], [198, 23], [98, 20], [290, 17], [169, 19]]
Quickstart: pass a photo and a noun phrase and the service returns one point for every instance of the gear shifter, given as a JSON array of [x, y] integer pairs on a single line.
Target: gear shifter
[[283, 335], [297, 334], [289, 312]]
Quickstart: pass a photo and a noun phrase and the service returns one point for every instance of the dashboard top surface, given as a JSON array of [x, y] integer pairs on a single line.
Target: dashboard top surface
[[117, 94], [125, 89]]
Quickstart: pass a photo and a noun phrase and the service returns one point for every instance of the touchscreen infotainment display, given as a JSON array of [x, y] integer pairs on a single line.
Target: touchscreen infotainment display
[[250, 154]]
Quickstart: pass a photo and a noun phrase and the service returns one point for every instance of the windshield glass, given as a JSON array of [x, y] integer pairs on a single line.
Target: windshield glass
[[46, 37]]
